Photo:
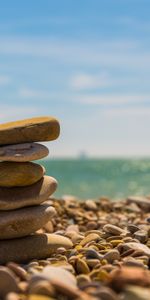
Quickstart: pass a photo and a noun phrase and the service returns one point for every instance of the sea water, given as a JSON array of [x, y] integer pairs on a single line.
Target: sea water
[[92, 178]]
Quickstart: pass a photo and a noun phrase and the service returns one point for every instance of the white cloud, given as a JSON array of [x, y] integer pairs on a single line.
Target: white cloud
[[48, 46], [113, 99], [133, 112], [84, 98], [87, 81], [119, 53]]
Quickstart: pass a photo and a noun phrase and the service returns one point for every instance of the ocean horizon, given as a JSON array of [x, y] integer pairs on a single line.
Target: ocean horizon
[[85, 178]]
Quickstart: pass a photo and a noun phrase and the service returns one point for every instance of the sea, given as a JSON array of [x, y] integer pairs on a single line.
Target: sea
[[93, 178]]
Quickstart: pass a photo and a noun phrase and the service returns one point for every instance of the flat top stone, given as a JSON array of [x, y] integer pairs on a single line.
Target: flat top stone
[[23, 152], [29, 130], [26, 122], [17, 197]]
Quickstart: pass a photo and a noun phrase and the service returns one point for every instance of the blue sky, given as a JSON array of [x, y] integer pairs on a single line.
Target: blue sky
[[87, 62]]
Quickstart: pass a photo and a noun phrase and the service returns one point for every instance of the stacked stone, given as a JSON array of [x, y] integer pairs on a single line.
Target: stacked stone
[[24, 188]]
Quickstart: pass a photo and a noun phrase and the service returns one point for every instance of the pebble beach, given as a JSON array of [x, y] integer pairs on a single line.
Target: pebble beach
[[106, 258], [65, 248]]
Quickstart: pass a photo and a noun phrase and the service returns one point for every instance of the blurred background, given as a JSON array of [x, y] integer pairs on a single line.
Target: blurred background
[[86, 62]]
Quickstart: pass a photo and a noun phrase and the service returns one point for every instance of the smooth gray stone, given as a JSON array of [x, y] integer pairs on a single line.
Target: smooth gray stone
[[23, 152]]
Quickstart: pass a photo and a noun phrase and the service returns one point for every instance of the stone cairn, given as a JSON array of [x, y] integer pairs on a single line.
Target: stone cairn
[[24, 188]]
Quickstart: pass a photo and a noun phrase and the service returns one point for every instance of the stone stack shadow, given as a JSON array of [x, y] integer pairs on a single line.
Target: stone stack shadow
[[24, 188]]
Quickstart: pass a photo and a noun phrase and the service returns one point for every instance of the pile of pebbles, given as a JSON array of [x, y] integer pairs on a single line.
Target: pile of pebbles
[[24, 189], [108, 257], [63, 249]]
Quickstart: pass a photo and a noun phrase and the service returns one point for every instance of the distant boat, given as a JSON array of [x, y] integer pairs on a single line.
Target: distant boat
[[82, 155]]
